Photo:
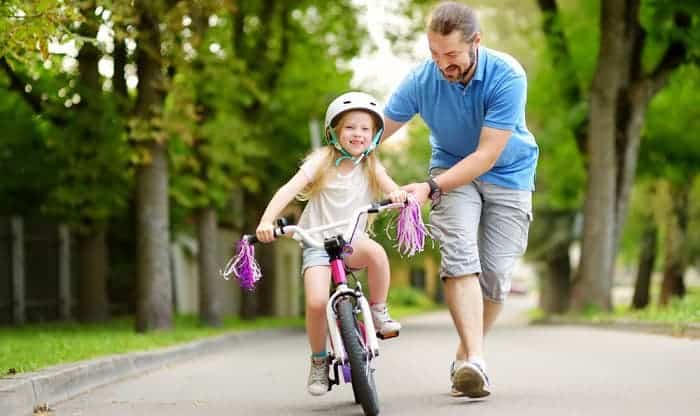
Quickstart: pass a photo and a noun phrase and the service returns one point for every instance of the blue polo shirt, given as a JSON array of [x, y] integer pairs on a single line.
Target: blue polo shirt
[[495, 97]]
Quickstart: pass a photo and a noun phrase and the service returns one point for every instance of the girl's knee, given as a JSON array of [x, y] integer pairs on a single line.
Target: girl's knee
[[317, 305]]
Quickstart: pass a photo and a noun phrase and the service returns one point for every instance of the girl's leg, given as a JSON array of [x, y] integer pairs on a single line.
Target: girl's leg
[[368, 253], [316, 284]]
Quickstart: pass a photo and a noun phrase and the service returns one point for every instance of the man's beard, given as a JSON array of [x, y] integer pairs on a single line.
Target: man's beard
[[463, 76]]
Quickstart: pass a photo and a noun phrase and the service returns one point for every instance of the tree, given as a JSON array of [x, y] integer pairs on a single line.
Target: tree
[[83, 120], [634, 36], [154, 306], [670, 152]]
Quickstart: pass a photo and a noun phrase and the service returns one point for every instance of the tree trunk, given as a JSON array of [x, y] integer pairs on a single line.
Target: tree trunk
[[154, 309], [676, 259], [647, 258], [92, 288], [555, 283], [155, 305], [210, 303], [597, 255]]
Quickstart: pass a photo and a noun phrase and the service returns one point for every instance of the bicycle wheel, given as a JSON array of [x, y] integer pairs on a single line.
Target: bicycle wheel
[[362, 378]]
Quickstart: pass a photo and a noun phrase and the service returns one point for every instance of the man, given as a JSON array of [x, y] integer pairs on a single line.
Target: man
[[482, 173]]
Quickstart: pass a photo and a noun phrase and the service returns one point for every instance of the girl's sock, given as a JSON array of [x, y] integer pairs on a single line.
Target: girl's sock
[[319, 355]]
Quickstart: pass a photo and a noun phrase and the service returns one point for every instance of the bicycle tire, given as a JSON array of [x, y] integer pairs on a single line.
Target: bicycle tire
[[364, 389]]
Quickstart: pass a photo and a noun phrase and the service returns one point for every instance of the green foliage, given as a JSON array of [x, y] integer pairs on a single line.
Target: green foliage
[[670, 148], [408, 296], [27, 27], [27, 168]]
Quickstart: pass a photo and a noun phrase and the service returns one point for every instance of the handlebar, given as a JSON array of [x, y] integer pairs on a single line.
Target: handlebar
[[351, 223]]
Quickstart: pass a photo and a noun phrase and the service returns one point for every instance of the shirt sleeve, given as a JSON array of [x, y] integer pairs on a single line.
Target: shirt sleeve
[[310, 166], [403, 103], [507, 104]]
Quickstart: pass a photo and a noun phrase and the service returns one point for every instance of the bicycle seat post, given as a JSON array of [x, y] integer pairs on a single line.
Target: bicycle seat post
[[334, 247]]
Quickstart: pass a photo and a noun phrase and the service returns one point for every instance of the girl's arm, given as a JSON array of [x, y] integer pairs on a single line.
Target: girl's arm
[[388, 186], [279, 201]]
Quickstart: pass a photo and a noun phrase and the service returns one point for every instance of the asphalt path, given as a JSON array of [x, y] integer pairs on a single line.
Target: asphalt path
[[536, 370]]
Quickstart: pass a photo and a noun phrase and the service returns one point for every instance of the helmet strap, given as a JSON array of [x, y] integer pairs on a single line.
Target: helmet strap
[[345, 155]]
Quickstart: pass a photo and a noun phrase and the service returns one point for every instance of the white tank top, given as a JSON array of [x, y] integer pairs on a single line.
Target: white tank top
[[337, 201]]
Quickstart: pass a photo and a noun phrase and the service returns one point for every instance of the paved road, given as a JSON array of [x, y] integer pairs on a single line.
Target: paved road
[[538, 371]]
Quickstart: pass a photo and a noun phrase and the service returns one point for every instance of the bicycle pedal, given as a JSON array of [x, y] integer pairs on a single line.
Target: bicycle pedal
[[388, 335]]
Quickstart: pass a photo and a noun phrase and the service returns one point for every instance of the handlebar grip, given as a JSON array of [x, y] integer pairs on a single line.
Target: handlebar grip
[[384, 202], [251, 238]]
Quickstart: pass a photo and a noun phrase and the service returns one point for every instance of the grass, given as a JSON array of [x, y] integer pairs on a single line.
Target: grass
[[678, 313], [32, 347], [36, 346]]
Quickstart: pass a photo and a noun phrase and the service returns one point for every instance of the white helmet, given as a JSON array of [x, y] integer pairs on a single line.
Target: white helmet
[[353, 100]]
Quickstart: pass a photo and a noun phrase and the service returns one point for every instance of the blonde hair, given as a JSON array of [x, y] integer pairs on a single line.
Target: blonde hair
[[329, 154]]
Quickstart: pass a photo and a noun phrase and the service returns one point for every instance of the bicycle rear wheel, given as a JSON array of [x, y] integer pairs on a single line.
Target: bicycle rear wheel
[[362, 377]]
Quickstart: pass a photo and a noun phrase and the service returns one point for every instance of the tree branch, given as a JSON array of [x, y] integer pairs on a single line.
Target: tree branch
[[675, 55], [559, 51], [18, 85]]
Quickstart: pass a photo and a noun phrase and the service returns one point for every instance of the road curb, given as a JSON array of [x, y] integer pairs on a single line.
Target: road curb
[[686, 330], [20, 394]]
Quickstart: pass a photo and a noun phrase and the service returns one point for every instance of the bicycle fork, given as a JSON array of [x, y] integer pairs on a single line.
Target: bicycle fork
[[338, 351]]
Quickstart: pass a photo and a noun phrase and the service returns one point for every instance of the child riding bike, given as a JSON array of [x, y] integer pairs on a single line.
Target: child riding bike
[[335, 180]]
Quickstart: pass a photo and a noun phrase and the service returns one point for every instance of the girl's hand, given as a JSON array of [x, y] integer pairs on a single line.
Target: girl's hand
[[398, 195], [265, 232]]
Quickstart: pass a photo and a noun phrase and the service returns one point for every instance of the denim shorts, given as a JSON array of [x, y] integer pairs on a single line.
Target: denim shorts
[[482, 229], [312, 256]]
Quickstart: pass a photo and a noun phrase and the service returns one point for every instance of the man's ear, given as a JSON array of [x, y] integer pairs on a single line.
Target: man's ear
[[477, 39]]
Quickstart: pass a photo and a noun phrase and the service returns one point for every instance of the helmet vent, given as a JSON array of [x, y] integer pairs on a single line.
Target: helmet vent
[[347, 102]]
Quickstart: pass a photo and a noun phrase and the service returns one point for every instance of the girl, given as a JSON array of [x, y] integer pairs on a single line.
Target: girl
[[336, 179]]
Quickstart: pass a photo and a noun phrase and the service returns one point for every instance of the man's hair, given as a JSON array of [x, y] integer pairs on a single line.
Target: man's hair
[[449, 16]]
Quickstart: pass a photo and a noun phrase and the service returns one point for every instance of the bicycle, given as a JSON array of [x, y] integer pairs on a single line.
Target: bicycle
[[353, 341]]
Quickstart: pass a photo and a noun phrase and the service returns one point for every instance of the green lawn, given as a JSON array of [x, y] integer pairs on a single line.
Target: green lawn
[[679, 312], [36, 346]]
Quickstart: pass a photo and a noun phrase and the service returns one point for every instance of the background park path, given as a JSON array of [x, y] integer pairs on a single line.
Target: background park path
[[537, 370]]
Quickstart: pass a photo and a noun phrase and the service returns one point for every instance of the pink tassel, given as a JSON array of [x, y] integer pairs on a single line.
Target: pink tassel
[[243, 265], [410, 230]]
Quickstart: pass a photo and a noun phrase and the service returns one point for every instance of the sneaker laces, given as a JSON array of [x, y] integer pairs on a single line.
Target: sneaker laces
[[319, 371]]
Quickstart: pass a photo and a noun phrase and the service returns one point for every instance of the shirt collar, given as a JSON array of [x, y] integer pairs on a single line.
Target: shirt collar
[[480, 65]]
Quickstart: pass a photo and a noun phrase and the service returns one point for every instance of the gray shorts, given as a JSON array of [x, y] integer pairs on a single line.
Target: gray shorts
[[482, 229]]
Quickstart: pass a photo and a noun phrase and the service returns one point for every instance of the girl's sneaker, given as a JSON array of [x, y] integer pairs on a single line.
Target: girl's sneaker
[[385, 326], [318, 376]]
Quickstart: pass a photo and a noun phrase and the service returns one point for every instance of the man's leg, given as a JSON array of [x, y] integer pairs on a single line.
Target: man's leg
[[464, 300], [491, 311]]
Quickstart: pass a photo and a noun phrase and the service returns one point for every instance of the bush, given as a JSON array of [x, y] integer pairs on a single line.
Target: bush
[[408, 296]]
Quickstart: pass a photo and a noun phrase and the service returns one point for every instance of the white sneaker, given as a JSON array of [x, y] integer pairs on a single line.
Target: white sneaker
[[318, 377], [469, 379], [383, 324]]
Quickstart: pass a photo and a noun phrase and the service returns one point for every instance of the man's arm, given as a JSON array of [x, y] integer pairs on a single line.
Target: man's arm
[[491, 144], [390, 127]]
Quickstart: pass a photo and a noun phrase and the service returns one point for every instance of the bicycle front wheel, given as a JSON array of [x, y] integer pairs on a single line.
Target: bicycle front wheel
[[361, 373]]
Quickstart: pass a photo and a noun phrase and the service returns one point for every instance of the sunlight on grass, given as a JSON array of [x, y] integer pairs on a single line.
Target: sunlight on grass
[[679, 312], [33, 347]]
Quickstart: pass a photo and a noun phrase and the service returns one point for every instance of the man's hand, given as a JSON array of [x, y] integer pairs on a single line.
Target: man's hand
[[420, 190]]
